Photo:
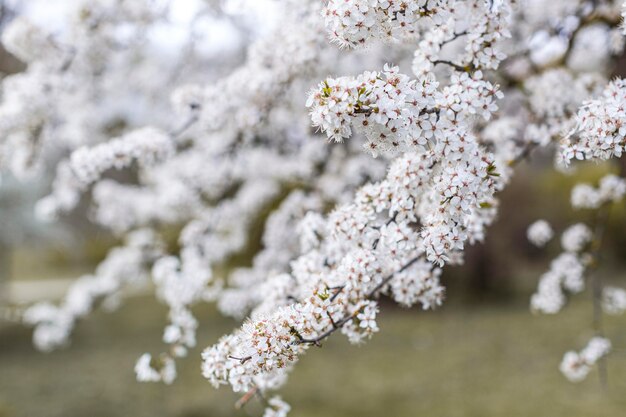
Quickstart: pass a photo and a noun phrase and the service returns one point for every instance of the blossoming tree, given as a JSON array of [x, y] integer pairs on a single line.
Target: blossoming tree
[[374, 180]]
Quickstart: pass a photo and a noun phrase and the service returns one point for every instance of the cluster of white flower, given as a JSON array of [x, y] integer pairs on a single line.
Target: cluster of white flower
[[600, 132], [547, 49], [82, 79], [380, 104], [398, 114], [151, 370], [566, 271], [614, 300], [122, 267], [539, 233], [577, 365], [251, 287], [246, 99], [27, 41], [418, 284], [555, 96], [354, 23], [464, 175], [121, 207], [180, 284], [146, 146], [276, 408], [570, 47], [576, 237], [612, 189]]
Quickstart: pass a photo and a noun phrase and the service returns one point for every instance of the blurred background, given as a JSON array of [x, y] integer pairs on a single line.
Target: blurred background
[[483, 354]]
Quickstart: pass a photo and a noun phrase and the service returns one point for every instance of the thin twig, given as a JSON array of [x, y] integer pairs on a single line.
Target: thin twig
[[524, 154], [179, 131], [455, 37], [597, 286], [242, 360], [346, 319], [451, 64], [246, 398]]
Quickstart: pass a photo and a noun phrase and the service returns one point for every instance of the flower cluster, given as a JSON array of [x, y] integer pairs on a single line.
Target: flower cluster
[[276, 408], [146, 146], [614, 300], [82, 79], [397, 114], [180, 287], [566, 271], [611, 189], [123, 267], [151, 370], [354, 23], [27, 41], [555, 96], [577, 365], [539, 233], [387, 107], [576, 237], [600, 132]]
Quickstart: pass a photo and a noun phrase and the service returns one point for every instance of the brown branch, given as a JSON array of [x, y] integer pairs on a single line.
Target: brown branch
[[455, 37], [246, 398], [242, 360], [385, 281], [346, 319], [450, 64], [330, 317], [338, 291]]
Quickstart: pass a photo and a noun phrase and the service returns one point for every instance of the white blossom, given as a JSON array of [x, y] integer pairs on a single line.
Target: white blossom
[[614, 300], [577, 365], [276, 408], [164, 371], [27, 41], [566, 274], [576, 237], [612, 189], [599, 133], [539, 233]]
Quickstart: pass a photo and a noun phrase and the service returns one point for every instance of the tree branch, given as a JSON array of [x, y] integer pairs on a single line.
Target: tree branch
[[347, 318]]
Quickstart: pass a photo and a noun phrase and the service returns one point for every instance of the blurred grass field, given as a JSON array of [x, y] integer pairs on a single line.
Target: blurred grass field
[[461, 361]]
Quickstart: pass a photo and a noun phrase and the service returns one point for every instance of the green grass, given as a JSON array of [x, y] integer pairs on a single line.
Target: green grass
[[460, 361]]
